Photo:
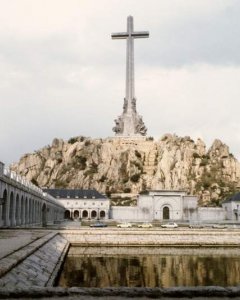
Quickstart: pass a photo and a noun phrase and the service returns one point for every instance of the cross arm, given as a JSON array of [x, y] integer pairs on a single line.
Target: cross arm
[[119, 35], [140, 34]]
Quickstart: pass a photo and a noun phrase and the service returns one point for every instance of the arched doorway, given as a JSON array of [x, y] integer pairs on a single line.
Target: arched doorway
[[76, 214], [102, 214], [17, 210], [93, 214], [166, 213], [67, 215], [44, 215], [85, 214], [22, 211], [4, 208], [236, 216], [26, 210], [11, 210]]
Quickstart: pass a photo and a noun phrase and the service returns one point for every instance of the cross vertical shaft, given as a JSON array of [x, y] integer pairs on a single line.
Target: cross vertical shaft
[[130, 123], [130, 64]]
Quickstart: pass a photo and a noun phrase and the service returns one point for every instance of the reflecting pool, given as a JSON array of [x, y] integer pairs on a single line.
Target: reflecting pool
[[150, 267]]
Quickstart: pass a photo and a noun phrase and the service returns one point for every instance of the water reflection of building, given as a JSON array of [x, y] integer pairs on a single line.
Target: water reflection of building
[[150, 270], [82, 204]]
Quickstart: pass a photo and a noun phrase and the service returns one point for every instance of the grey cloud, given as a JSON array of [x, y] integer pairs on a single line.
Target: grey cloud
[[211, 39]]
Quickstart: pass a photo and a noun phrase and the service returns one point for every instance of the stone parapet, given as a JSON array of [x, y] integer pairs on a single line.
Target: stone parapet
[[113, 293], [153, 237]]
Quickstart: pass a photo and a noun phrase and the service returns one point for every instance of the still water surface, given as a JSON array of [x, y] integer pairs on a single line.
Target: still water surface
[[150, 267]]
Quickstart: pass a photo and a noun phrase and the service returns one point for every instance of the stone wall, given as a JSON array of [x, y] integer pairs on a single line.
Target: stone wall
[[211, 214], [152, 237]]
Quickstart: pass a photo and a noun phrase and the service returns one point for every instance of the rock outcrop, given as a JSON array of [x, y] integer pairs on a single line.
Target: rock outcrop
[[116, 165]]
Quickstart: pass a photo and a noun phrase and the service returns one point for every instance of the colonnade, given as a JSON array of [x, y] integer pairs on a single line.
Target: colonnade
[[24, 204], [86, 214]]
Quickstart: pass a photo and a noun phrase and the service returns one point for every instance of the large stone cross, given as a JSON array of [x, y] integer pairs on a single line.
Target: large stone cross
[[130, 123]]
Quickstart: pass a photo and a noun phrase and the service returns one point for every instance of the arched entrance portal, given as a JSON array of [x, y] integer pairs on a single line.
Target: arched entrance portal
[[76, 214], [11, 210], [44, 215], [93, 214], [4, 208], [166, 213], [236, 216], [102, 214], [67, 214], [85, 214]]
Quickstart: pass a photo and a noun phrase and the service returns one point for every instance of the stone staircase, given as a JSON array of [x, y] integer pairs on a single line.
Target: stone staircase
[[149, 166]]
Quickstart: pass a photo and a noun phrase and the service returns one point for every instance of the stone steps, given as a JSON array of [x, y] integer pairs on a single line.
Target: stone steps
[[149, 165], [38, 268]]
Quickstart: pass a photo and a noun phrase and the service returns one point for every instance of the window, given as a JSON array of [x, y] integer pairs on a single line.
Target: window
[[101, 203], [93, 203], [85, 203]]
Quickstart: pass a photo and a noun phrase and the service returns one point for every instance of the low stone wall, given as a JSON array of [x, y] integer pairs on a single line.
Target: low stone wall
[[123, 293], [152, 237], [35, 265]]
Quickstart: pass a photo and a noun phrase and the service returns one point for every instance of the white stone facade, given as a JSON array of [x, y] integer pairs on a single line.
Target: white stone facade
[[159, 205], [176, 206], [232, 208], [82, 204]]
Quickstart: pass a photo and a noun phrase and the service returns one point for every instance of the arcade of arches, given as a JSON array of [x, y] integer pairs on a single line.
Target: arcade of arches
[[22, 204], [85, 214]]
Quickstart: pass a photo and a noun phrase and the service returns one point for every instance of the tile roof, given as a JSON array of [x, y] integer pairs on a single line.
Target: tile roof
[[74, 194], [235, 197]]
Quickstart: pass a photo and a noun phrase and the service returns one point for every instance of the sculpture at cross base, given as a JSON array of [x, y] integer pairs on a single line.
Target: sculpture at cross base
[[130, 123]]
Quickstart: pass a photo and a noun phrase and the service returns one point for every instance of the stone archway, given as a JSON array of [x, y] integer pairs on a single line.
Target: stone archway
[[26, 211], [4, 208], [76, 214], [22, 211], [44, 215], [18, 211], [85, 214], [67, 214], [236, 216], [93, 214], [11, 209], [166, 213], [102, 214]]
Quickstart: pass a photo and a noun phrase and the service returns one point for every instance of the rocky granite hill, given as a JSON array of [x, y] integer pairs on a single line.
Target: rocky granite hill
[[117, 165]]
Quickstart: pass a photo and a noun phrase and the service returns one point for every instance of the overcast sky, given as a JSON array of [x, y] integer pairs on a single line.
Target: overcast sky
[[61, 75]]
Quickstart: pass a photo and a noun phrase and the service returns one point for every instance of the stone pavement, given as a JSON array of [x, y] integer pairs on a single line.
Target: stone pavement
[[37, 266], [31, 258], [13, 239]]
